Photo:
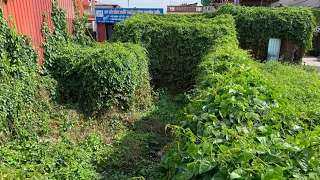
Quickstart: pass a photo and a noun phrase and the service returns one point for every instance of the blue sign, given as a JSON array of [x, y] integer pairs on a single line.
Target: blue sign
[[113, 15]]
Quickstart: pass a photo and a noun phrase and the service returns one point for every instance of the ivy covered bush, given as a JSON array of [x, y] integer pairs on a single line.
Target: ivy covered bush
[[19, 85], [40, 139], [92, 75], [256, 25], [102, 76], [176, 44], [248, 121]]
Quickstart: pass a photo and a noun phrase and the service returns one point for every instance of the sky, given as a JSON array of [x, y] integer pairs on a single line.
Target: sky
[[148, 3]]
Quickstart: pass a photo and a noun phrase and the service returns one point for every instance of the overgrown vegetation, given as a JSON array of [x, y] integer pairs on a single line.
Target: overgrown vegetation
[[19, 85], [256, 25], [28, 116], [175, 44], [248, 121], [243, 120], [95, 77], [40, 139]]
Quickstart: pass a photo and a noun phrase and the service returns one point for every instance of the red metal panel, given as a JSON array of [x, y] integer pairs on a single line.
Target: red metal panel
[[86, 4], [67, 5], [27, 16], [102, 32]]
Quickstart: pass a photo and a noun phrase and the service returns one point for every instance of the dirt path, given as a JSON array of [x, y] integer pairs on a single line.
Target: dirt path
[[311, 61]]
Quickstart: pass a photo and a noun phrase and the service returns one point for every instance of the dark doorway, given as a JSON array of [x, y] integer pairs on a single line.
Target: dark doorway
[[109, 28]]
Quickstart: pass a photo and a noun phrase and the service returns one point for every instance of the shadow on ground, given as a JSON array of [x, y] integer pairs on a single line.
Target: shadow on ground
[[138, 153]]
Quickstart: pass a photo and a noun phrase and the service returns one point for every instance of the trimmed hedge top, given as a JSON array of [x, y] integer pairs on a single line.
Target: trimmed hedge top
[[175, 44]]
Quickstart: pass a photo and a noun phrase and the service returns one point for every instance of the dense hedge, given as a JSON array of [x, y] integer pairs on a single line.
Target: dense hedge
[[175, 44], [248, 121], [256, 25], [102, 76]]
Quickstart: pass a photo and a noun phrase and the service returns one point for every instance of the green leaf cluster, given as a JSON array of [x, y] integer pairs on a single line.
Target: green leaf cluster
[[248, 121], [32, 140], [43, 159], [79, 29], [256, 25], [60, 35], [316, 14], [102, 76], [175, 44], [94, 76], [19, 86]]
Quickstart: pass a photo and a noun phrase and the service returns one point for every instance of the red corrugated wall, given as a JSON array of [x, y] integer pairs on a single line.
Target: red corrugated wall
[[27, 15]]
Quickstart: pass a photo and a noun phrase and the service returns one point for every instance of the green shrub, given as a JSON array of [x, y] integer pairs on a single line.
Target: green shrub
[[102, 76], [19, 86], [256, 25], [176, 44], [248, 121]]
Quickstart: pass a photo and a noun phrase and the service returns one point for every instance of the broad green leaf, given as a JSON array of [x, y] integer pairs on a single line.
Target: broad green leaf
[[237, 174], [304, 159], [224, 148], [193, 150], [272, 173], [262, 140], [207, 147], [221, 175], [206, 164]]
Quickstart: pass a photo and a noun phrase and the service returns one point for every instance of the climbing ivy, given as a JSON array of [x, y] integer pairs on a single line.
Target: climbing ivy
[[21, 116], [79, 30], [60, 34], [59, 20], [94, 76]]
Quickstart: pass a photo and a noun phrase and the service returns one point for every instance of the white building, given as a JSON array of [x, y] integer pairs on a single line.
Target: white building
[[305, 3]]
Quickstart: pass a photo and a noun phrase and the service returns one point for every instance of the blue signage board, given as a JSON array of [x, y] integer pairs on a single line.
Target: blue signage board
[[114, 15]]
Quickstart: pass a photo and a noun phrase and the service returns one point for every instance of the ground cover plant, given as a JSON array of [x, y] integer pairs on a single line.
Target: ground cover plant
[[248, 121], [175, 44]]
